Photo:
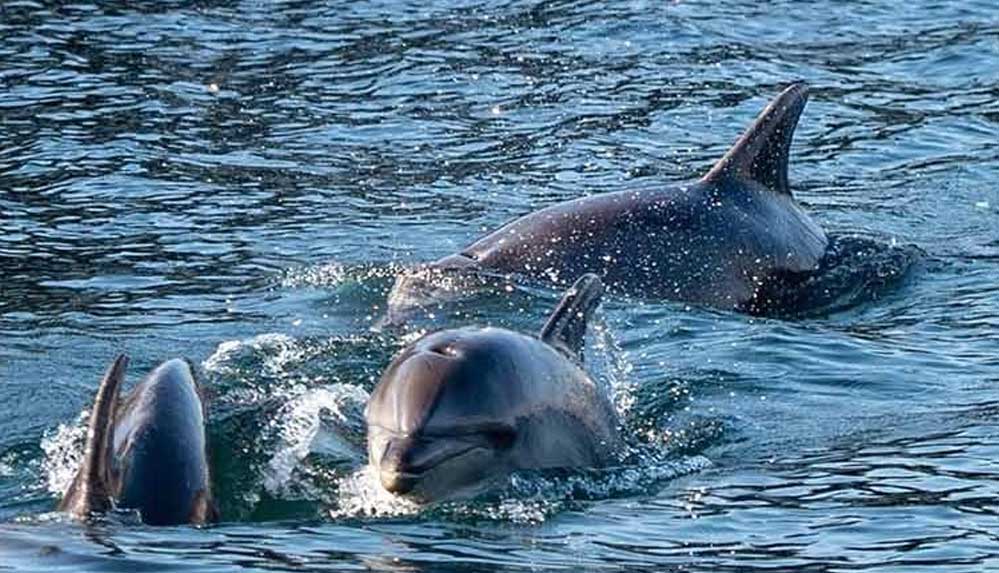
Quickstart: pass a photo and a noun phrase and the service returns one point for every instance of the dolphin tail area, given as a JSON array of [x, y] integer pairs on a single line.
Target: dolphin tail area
[[91, 489], [761, 154], [566, 327]]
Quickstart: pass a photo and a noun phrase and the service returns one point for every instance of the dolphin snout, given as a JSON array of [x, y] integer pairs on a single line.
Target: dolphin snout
[[399, 483], [395, 469], [396, 456], [406, 462]]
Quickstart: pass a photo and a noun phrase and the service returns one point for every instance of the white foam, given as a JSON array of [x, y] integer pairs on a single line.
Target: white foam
[[278, 350], [528, 498], [300, 428], [325, 275], [531, 498], [334, 274], [63, 453], [613, 365], [361, 495]]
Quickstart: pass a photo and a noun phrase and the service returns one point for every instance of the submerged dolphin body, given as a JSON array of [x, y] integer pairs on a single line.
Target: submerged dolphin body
[[459, 409], [146, 451], [723, 240]]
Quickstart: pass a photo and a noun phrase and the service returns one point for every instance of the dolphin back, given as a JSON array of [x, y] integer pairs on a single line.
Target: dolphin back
[[160, 448], [146, 451], [721, 241]]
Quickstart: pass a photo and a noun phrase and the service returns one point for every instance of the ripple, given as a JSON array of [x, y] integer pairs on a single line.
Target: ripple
[[177, 180]]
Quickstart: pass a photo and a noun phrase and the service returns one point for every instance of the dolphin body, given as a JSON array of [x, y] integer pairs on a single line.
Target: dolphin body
[[728, 240], [459, 409], [146, 452]]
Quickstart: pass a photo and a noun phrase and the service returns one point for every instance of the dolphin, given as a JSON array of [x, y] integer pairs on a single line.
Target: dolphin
[[459, 409], [724, 240], [146, 451]]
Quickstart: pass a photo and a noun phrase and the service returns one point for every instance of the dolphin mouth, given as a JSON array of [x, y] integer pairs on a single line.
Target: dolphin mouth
[[406, 481], [399, 483], [442, 458]]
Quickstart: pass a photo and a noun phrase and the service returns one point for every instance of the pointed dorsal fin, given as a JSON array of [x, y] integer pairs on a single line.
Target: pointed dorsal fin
[[761, 153], [566, 327], [91, 489]]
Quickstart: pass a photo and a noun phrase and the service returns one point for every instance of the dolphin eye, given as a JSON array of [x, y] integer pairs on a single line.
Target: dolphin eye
[[501, 439]]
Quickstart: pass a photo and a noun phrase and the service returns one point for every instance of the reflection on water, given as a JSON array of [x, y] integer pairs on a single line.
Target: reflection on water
[[239, 182]]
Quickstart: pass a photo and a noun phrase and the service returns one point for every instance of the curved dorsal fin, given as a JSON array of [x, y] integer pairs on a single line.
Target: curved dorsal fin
[[91, 489], [760, 155], [566, 327]]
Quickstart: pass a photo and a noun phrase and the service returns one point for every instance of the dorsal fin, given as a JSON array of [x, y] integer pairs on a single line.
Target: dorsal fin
[[566, 327], [761, 153], [91, 489]]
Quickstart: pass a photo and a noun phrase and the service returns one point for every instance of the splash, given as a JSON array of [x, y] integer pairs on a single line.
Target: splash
[[423, 285], [63, 453], [315, 421], [361, 495], [269, 366], [252, 370], [325, 275], [533, 495], [530, 497], [266, 359], [333, 274], [276, 352], [614, 366], [855, 270]]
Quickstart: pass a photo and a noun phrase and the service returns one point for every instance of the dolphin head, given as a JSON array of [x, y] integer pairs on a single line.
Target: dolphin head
[[442, 420], [442, 281]]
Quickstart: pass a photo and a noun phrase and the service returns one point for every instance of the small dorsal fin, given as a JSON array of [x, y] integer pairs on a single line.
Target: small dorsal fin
[[91, 489], [761, 153], [566, 327]]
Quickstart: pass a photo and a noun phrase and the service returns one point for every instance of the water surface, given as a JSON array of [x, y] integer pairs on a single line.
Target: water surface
[[239, 182]]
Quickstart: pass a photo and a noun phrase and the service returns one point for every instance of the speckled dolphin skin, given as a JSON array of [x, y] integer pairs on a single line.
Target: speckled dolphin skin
[[719, 241]]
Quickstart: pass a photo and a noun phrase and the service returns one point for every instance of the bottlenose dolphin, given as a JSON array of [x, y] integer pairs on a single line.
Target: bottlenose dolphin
[[721, 241], [459, 409], [146, 452]]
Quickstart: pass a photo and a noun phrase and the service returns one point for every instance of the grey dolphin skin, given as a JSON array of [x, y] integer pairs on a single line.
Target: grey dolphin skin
[[718, 241], [146, 451], [459, 409]]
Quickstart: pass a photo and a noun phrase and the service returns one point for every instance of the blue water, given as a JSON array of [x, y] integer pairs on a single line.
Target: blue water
[[239, 182]]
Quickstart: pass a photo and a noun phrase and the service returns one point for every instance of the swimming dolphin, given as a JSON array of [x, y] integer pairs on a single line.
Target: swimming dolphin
[[459, 409], [721, 241], [146, 452]]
